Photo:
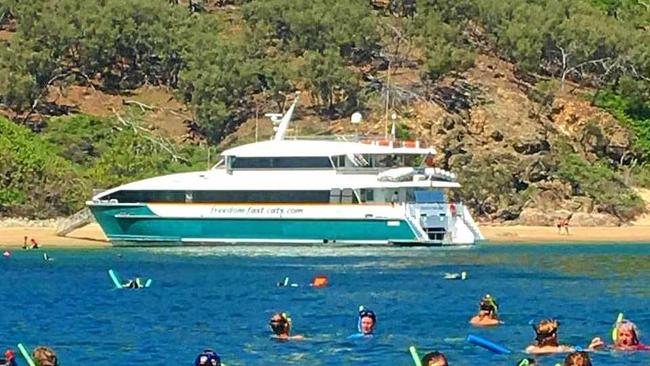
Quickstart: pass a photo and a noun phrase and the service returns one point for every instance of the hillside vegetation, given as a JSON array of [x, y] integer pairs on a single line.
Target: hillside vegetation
[[540, 106]]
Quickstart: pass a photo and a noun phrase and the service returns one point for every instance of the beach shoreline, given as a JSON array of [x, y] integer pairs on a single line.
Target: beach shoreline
[[91, 236]]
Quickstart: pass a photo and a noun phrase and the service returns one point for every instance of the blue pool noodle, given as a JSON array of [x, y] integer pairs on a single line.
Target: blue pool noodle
[[487, 344]]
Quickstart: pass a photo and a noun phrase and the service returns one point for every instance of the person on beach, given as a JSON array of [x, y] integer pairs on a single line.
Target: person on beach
[[34, 244], [45, 356], [280, 324], [563, 223], [10, 358], [627, 338], [207, 358], [546, 339], [487, 313], [434, 359], [577, 359], [25, 242]]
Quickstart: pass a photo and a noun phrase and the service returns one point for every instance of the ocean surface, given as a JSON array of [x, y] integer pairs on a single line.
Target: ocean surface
[[222, 298]]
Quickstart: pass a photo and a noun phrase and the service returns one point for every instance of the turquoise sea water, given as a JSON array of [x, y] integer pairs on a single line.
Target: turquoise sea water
[[222, 298]]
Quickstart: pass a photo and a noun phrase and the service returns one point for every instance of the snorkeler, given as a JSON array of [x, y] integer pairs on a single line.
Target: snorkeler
[[9, 360], [527, 362], [487, 313], [577, 359], [135, 283], [626, 338], [546, 339], [434, 359], [207, 358], [280, 324], [367, 321], [45, 356]]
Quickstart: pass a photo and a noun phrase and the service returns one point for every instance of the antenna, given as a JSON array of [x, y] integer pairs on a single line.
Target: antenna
[[283, 123]]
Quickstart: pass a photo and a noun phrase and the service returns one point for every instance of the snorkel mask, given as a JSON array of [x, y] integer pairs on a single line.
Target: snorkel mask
[[282, 325], [208, 358], [363, 312], [526, 362]]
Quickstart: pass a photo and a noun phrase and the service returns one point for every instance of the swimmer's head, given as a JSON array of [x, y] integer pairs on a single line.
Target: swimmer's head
[[207, 358], [546, 332], [280, 324], [627, 334], [434, 359], [488, 306], [527, 362], [9, 354], [367, 321], [577, 359]]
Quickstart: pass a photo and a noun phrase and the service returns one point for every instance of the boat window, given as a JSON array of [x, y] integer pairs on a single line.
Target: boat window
[[429, 196], [292, 162], [367, 195], [220, 196]]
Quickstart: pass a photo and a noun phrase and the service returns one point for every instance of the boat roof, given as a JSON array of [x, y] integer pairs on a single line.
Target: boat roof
[[296, 148], [270, 180]]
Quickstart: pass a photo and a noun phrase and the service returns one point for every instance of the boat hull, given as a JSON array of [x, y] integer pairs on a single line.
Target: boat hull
[[139, 225]]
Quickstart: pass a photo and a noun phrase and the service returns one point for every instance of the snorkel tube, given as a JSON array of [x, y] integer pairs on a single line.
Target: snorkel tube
[[26, 355], [619, 320], [414, 355]]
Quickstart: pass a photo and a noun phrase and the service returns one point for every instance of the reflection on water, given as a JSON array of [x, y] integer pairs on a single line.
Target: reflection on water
[[222, 297]]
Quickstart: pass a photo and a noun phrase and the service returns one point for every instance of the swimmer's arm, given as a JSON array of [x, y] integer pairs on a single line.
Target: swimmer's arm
[[596, 343]]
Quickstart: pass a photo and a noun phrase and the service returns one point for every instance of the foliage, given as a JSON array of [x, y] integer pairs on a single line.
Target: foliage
[[32, 181], [630, 105], [329, 81], [601, 184]]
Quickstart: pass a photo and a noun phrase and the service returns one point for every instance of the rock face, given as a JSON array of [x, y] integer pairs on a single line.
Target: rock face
[[506, 148], [536, 217]]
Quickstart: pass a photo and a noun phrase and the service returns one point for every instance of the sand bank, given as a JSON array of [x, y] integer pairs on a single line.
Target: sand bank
[[545, 234], [92, 235]]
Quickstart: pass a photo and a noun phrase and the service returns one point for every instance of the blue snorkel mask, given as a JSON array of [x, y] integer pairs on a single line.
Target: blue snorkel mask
[[363, 312], [208, 358]]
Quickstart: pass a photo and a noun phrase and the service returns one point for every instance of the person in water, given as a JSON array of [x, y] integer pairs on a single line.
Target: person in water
[[367, 322], [527, 362], [627, 338], [45, 356], [546, 339], [280, 324], [135, 283], [577, 359], [207, 358], [487, 313], [10, 358], [34, 244], [434, 359]]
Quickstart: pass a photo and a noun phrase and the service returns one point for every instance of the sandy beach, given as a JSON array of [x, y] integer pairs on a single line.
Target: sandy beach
[[92, 236]]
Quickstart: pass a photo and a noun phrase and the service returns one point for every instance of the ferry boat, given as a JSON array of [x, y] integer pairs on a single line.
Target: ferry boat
[[294, 191]]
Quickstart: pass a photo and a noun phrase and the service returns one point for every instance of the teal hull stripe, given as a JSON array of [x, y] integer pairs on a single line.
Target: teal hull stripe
[[138, 223]]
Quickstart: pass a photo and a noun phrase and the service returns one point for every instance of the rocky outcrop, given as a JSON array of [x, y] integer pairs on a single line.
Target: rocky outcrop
[[537, 217]]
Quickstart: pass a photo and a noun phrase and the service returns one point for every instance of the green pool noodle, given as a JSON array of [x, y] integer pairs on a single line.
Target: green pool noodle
[[619, 319], [116, 280], [26, 355], [414, 354]]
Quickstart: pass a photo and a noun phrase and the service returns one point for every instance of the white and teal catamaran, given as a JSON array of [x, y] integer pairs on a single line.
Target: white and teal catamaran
[[294, 191]]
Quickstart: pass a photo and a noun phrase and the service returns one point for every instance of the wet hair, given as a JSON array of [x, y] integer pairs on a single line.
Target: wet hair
[[577, 359], [45, 356], [546, 333], [627, 325], [207, 358], [282, 325], [433, 357], [527, 362]]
